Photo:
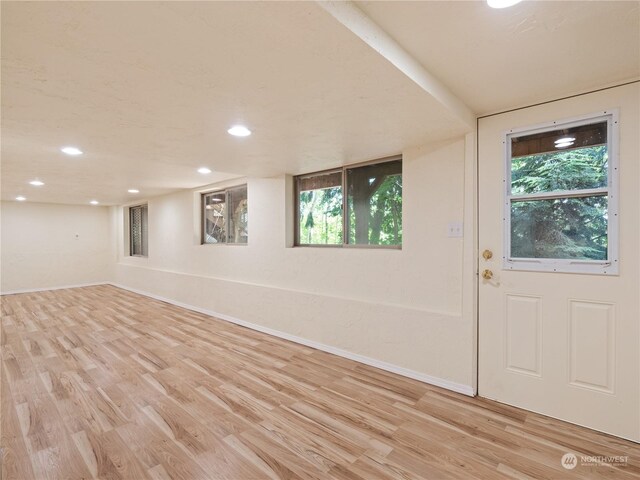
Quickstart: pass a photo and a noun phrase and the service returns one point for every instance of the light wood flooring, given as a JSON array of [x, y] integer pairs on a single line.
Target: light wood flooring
[[98, 382]]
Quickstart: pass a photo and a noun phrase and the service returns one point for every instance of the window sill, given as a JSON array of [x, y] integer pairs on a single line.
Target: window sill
[[349, 246], [588, 267], [225, 244]]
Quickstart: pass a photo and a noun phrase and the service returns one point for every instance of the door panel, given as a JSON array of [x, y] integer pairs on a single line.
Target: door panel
[[592, 345], [524, 334], [562, 344]]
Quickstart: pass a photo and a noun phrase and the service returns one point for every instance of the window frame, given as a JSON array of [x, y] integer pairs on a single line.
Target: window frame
[[345, 233], [226, 191], [611, 191], [144, 206]]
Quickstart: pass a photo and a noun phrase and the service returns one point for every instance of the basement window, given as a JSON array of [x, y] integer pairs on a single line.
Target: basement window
[[225, 216], [561, 198], [358, 205], [138, 231]]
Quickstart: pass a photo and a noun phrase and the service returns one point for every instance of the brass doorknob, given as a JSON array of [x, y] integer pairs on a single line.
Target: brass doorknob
[[487, 274], [487, 254]]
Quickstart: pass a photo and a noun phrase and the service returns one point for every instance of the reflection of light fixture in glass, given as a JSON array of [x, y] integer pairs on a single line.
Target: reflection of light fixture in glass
[[212, 200], [565, 140], [36, 183], [133, 190], [204, 170], [21, 198], [564, 144]]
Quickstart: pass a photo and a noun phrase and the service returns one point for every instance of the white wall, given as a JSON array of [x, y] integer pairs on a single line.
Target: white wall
[[48, 246], [411, 308]]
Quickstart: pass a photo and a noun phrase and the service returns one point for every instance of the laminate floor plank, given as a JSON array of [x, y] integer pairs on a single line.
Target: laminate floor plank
[[102, 383]]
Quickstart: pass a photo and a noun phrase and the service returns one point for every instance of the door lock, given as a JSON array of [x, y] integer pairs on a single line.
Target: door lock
[[487, 274], [487, 254]]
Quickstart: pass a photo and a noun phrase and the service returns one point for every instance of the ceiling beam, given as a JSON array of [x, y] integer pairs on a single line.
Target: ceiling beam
[[349, 15]]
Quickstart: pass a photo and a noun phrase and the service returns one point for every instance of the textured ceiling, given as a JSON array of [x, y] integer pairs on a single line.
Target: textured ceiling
[[532, 52], [148, 89]]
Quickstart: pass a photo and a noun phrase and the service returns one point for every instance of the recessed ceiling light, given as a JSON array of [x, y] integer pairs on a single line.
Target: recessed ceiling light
[[71, 150], [565, 140], [502, 3], [36, 183], [133, 190], [239, 131], [204, 170], [564, 144], [21, 198], [94, 202]]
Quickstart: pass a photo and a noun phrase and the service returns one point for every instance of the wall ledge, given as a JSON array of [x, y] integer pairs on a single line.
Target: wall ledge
[[455, 315], [405, 372], [389, 367]]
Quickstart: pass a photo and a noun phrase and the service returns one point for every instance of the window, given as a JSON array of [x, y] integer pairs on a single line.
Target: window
[[561, 199], [225, 216], [138, 243], [373, 206], [320, 207]]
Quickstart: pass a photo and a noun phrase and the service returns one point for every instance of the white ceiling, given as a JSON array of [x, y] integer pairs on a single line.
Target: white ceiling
[[535, 51], [148, 89]]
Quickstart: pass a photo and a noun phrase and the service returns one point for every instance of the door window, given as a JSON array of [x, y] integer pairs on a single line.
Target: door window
[[561, 199]]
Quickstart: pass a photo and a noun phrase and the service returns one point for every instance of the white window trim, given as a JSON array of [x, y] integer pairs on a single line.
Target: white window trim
[[608, 267]]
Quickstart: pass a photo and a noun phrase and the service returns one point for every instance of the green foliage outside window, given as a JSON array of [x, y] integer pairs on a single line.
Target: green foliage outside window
[[321, 216], [570, 228], [577, 169], [373, 205], [384, 214]]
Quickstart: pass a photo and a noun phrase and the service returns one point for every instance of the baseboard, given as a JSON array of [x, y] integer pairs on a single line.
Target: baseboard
[[45, 289], [389, 367]]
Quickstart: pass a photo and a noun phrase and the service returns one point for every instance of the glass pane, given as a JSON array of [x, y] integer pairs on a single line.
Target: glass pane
[[589, 135], [567, 228], [238, 215], [135, 222], [565, 159], [215, 230], [143, 230], [374, 204], [320, 209], [138, 230]]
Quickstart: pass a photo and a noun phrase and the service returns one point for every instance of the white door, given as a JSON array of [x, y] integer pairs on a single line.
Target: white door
[[559, 213]]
